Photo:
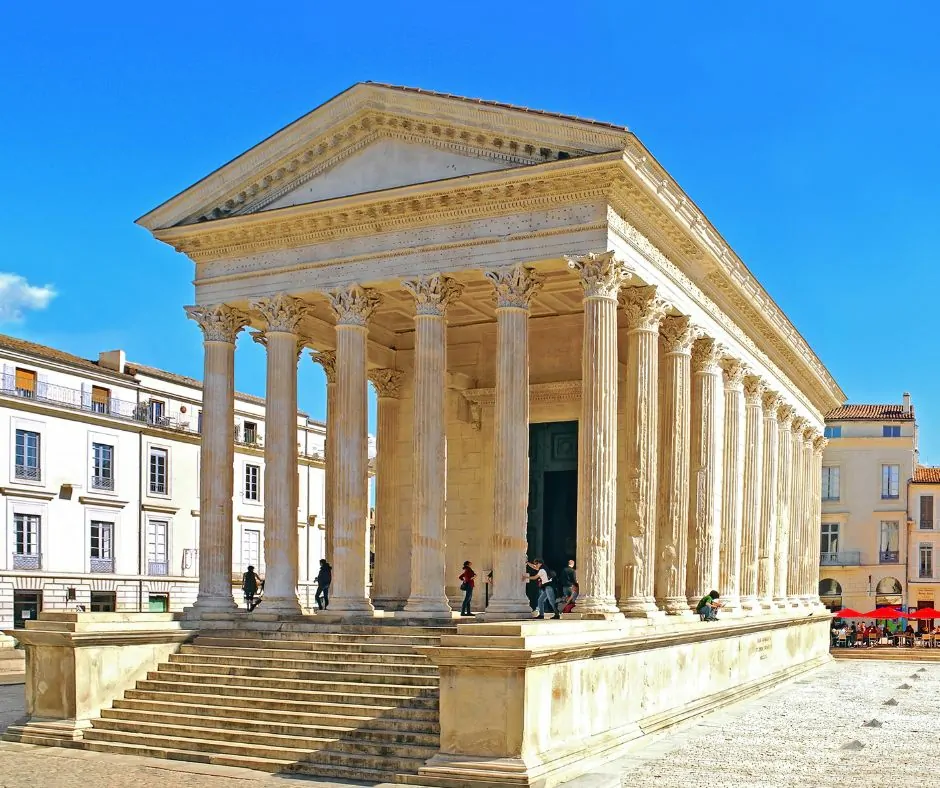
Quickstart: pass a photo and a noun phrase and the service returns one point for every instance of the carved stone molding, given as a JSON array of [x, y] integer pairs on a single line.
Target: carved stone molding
[[327, 360], [219, 323], [601, 274], [354, 305], [282, 312], [562, 391], [643, 309], [754, 389], [515, 286], [734, 372], [678, 334], [433, 294], [706, 355], [387, 382]]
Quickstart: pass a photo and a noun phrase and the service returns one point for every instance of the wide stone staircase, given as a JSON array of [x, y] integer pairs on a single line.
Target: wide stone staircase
[[353, 702]]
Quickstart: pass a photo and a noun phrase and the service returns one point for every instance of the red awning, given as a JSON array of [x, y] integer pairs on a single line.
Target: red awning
[[884, 612], [925, 613], [848, 613]]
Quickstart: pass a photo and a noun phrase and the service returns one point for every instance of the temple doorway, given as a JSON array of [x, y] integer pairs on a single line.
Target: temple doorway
[[553, 492]]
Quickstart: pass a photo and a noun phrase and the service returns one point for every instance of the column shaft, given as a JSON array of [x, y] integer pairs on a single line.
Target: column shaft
[[220, 326], [636, 545], [797, 538], [327, 360], [514, 290], [732, 505], [601, 277], [808, 551], [819, 445], [432, 294], [767, 538], [753, 490], [385, 591], [706, 471], [784, 493]]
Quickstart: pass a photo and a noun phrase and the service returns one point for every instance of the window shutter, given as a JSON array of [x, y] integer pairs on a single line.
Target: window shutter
[[86, 396], [9, 377]]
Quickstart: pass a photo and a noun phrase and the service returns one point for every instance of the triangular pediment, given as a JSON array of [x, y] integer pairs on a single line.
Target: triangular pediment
[[376, 137]]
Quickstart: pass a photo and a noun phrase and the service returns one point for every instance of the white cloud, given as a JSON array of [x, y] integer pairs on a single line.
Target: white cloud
[[17, 296]]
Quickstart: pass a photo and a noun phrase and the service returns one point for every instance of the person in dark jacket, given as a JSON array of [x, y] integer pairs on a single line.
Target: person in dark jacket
[[569, 579], [250, 584], [324, 578]]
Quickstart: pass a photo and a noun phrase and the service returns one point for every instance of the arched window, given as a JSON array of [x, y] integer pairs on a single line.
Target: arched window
[[830, 594], [888, 592]]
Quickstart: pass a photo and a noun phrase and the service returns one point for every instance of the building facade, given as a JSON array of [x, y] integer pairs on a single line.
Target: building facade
[[867, 531], [100, 485], [923, 575]]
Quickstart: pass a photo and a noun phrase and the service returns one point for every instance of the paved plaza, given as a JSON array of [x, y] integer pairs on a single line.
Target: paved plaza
[[848, 724]]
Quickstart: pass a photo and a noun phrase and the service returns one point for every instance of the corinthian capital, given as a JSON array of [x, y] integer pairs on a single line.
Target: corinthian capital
[[771, 402], [678, 334], [754, 389], [282, 312], [515, 285], [734, 371], [433, 294], [601, 274], [785, 416], [220, 323], [819, 443], [643, 309], [706, 355], [387, 382], [798, 425], [327, 360], [354, 305]]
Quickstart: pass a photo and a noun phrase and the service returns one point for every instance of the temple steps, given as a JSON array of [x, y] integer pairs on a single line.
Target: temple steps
[[343, 703]]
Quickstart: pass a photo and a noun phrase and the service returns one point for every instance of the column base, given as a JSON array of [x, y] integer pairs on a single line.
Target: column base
[[509, 607], [781, 603], [281, 605], [417, 605], [387, 603], [341, 605], [214, 603], [678, 605], [750, 606], [48, 733], [767, 605], [598, 608], [639, 607]]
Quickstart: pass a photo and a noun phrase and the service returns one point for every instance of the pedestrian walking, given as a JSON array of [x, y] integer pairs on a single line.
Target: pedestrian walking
[[544, 577], [324, 578], [569, 579], [466, 585], [250, 585]]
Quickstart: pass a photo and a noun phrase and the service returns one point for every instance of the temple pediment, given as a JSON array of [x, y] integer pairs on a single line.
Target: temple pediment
[[374, 137]]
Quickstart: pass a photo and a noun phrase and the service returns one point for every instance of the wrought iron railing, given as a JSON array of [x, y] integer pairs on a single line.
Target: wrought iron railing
[[157, 568], [30, 473], [889, 556], [102, 483], [926, 525], [101, 564], [29, 561], [841, 558]]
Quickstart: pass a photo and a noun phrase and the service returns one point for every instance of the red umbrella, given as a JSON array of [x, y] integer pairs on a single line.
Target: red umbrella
[[925, 614], [848, 613], [884, 612]]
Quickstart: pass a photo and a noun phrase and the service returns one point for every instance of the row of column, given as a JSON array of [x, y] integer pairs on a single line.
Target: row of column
[[722, 481]]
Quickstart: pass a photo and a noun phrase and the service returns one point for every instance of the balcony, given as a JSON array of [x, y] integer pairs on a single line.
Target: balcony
[[102, 483], [926, 525], [29, 473], [158, 568], [842, 558], [101, 565], [28, 561], [889, 556]]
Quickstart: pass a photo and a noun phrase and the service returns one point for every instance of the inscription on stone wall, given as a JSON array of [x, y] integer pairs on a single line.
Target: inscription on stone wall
[[762, 647]]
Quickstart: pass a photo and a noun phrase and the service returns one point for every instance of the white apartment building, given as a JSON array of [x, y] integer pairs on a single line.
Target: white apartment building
[[99, 485]]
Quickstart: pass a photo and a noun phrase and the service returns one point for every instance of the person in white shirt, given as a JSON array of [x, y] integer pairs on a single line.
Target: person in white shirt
[[546, 589]]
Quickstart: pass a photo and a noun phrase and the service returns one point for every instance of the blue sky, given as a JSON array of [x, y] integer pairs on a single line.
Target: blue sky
[[809, 136]]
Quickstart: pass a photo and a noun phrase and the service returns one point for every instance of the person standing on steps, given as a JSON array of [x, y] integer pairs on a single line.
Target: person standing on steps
[[324, 578], [250, 584], [569, 579], [466, 585], [544, 578]]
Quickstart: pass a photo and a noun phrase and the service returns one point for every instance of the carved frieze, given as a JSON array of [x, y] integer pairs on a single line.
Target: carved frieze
[[601, 274], [354, 305], [644, 310], [515, 286], [433, 294], [219, 323]]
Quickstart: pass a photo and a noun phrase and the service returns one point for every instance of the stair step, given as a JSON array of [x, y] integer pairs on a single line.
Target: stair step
[[405, 655], [304, 671], [399, 646], [277, 684], [158, 751], [382, 763], [242, 724], [210, 746], [369, 719]]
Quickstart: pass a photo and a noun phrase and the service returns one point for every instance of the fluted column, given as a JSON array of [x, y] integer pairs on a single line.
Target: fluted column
[[808, 551], [767, 537], [601, 278], [327, 360], [220, 326], [797, 537], [353, 306], [672, 497], [432, 295], [282, 316], [707, 470], [819, 446], [515, 288], [754, 389], [732, 498], [636, 544], [387, 592], [784, 492]]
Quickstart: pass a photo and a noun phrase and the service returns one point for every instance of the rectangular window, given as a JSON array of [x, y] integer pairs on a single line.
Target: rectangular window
[[159, 463], [103, 601], [926, 512], [251, 549], [252, 482], [251, 432], [26, 527], [101, 541], [199, 422], [889, 545], [100, 399], [926, 561], [891, 431], [832, 432], [830, 483], [25, 383], [157, 555], [155, 411], [27, 456], [829, 540], [890, 474], [102, 471]]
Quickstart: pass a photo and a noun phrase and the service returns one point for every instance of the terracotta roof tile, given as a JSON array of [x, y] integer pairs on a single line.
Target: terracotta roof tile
[[926, 475], [870, 413], [51, 354], [182, 380]]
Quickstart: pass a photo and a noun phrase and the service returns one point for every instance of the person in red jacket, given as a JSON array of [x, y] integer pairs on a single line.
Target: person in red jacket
[[466, 585]]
